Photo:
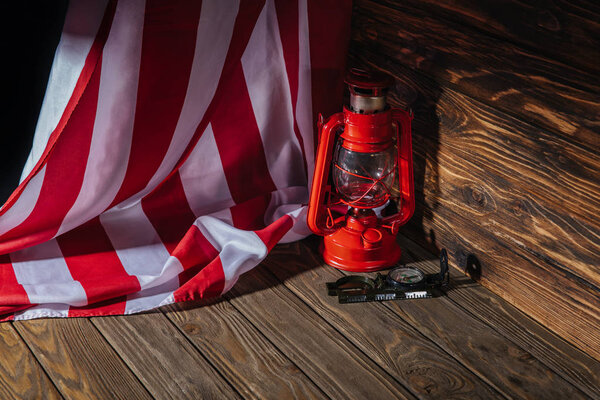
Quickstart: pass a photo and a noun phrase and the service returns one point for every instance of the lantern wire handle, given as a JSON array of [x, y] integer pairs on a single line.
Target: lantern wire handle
[[330, 222]]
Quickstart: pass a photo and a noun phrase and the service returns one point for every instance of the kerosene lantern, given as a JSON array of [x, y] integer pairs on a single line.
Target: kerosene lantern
[[363, 165]]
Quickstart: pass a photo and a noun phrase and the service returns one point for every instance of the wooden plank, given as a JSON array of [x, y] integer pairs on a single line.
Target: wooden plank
[[551, 192], [167, 364], [493, 164], [515, 373], [571, 363], [249, 362], [418, 363], [483, 350], [21, 376], [501, 191], [555, 301], [335, 365], [567, 31], [554, 96], [79, 361]]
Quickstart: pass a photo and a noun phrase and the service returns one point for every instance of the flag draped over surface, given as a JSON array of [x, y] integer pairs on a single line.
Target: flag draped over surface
[[173, 150]]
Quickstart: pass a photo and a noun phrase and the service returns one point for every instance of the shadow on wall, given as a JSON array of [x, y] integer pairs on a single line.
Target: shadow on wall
[[413, 90], [29, 33], [425, 137]]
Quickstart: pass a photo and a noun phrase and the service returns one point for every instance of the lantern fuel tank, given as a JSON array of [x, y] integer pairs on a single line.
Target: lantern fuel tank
[[363, 164]]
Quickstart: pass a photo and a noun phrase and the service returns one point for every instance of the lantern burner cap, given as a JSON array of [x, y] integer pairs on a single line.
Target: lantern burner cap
[[368, 90], [368, 83]]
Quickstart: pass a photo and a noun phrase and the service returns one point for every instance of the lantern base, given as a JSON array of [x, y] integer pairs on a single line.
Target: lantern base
[[361, 251]]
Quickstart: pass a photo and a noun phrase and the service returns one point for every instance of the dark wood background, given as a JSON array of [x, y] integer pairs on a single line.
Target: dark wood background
[[506, 141]]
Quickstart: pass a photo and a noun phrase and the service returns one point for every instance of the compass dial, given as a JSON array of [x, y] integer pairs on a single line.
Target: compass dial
[[406, 276]]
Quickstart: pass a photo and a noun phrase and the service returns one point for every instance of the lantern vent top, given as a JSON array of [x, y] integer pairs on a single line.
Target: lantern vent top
[[368, 90]]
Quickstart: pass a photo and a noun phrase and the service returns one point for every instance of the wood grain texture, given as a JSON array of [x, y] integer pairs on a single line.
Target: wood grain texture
[[512, 370], [554, 96], [566, 31], [522, 202], [160, 356], [335, 365], [515, 373], [418, 363], [249, 362], [569, 362], [79, 361], [21, 376]]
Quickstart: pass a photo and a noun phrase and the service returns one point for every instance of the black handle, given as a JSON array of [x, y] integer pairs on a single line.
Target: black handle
[[444, 274]]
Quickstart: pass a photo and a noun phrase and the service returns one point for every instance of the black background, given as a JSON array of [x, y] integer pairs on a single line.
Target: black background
[[29, 33]]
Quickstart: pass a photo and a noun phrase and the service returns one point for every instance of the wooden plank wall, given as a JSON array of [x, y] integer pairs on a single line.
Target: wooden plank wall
[[506, 96]]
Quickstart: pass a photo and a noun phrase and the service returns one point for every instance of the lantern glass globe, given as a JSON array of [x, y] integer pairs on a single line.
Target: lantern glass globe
[[364, 179]]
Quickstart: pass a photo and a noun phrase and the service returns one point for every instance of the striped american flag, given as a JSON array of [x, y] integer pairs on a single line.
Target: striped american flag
[[173, 150]]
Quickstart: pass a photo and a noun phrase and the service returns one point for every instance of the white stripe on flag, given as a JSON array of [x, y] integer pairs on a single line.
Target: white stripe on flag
[[113, 126], [139, 247], [266, 77], [45, 276], [223, 215], [24, 205], [304, 103], [152, 297], [215, 29], [43, 311], [79, 31], [289, 201], [300, 229], [239, 250], [203, 179]]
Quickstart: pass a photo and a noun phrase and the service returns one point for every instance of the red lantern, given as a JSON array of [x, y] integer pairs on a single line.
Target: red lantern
[[362, 168]]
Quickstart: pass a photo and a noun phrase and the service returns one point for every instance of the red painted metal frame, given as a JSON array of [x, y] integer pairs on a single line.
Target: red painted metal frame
[[361, 243]]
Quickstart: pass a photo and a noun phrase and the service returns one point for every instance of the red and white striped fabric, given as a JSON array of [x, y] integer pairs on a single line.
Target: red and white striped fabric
[[173, 151]]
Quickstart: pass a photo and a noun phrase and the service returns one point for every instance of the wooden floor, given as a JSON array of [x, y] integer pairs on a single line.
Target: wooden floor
[[277, 335]]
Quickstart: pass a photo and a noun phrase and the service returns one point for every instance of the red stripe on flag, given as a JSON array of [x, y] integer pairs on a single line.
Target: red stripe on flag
[[92, 61], [107, 307], [244, 24], [273, 233], [168, 210], [208, 282], [169, 40], [6, 318], [239, 142], [194, 252], [329, 28], [14, 296], [93, 262], [65, 169], [287, 17], [250, 215]]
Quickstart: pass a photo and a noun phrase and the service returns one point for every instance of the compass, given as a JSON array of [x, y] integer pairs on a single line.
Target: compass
[[400, 283]]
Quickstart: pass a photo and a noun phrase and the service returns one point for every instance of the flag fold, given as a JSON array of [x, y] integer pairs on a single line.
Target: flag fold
[[173, 150]]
